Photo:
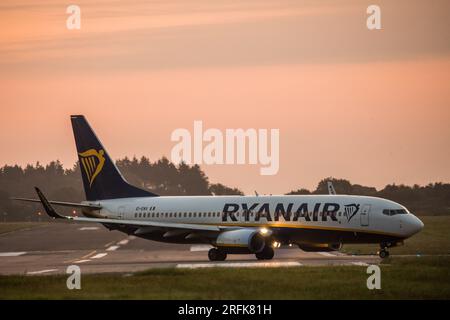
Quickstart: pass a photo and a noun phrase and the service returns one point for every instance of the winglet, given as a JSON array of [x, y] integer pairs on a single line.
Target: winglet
[[47, 206]]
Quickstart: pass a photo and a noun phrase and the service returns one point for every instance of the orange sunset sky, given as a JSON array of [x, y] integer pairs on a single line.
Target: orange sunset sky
[[369, 106]]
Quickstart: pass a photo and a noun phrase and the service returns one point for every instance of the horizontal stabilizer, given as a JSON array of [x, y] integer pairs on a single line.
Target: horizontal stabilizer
[[63, 203]]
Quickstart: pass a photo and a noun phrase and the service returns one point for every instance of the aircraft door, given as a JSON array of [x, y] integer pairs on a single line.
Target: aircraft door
[[365, 215]]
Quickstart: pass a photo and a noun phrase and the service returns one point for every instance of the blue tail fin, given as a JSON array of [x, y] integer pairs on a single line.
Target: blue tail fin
[[101, 178]]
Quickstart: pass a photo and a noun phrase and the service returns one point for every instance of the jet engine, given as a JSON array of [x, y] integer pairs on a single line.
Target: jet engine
[[241, 241]]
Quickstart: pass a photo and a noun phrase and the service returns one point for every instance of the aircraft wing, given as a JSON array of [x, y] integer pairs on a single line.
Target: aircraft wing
[[132, 223], [135, 223], [63, 203]]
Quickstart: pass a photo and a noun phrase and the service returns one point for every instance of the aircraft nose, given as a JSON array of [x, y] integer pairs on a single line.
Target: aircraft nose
[[415, 225]]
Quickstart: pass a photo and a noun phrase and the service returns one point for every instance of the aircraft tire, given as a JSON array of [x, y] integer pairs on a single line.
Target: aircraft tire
[[266, 254], [215, 254], [384, 254]]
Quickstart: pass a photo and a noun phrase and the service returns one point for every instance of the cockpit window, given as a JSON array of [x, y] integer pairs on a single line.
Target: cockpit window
[[393, 212]]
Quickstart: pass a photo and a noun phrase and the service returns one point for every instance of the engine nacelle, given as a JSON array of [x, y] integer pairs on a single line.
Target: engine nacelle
[[316, 247], [248, 239]]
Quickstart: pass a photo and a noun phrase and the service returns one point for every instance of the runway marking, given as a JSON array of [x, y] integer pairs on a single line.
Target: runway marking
[[326, 254], [108, 244], [42, 271], [99, 255], [112, 248], [82, 258], [89, 254], [82, 261], [11, 254], [200, 248], [123, 242], [360, 263], [239, 265], [88, 228]]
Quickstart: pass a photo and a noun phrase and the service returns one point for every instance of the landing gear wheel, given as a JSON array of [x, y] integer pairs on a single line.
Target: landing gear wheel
[[266, 254], [215, 254], [384, 254], [259, 256]]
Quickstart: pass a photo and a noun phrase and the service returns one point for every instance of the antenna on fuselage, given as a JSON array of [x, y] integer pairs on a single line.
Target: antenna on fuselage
[[256, 193]]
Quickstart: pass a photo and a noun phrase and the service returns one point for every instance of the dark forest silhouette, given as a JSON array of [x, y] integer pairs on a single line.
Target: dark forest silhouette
[[165, 178]]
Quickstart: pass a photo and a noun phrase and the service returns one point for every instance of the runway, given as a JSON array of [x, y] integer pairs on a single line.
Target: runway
[[50, 249]]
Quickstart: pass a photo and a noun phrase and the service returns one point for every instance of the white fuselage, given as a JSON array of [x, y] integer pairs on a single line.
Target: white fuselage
[[297, 215]]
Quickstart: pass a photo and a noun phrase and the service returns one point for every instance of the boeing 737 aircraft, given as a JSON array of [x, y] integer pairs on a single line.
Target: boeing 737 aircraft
[[231, 224]]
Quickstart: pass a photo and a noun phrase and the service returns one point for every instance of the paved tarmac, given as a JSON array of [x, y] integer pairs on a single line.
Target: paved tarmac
[[50, 249]]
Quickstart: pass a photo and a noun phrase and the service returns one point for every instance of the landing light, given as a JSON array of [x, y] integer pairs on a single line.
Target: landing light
[[263, 231], [276, 244]]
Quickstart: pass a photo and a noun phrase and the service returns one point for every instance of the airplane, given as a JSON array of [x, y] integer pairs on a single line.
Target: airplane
[[230, 224], [330, 186]]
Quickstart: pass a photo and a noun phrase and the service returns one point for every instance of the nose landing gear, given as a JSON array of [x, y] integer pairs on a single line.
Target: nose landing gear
[[384, 253]]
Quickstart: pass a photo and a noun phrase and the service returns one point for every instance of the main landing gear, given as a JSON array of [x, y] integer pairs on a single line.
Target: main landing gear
[[266, 254], [215, 254]]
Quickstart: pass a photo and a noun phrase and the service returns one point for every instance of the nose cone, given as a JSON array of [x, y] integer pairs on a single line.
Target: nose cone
[[414, 225]]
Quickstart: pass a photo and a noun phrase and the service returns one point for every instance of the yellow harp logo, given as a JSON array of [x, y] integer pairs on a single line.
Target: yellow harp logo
[[92, 161]]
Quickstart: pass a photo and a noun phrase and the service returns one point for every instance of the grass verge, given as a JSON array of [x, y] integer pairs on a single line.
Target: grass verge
[[401, 278], [433, 239]]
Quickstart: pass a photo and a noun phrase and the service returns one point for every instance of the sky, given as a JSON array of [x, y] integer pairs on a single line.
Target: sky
[[371, 106]]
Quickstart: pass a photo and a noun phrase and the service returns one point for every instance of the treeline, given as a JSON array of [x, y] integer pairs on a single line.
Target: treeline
[[165, 178], [162, 177], [432, 199]]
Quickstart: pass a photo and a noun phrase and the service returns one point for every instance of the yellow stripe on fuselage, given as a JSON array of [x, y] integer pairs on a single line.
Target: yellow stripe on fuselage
[[286, 225]]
